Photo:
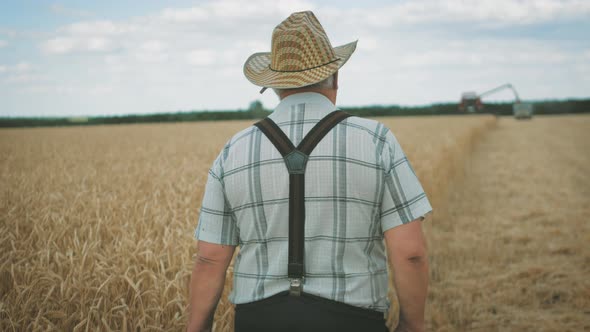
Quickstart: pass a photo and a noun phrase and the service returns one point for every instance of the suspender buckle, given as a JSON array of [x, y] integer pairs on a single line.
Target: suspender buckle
[[296, 286]]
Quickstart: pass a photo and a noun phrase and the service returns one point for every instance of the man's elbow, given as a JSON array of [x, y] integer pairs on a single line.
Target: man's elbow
[[213, 256], [206, 261], [416, 255], [406, 245], [418, 259], [209, 265]]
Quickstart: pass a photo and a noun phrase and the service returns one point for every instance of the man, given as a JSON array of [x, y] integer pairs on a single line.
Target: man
[[333, 199]]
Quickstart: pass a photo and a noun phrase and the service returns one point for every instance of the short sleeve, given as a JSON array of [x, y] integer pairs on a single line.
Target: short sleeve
[[404, 199], [216, 220]]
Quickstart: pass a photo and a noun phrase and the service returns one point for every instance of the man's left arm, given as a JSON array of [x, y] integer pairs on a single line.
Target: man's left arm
[[207, 281]]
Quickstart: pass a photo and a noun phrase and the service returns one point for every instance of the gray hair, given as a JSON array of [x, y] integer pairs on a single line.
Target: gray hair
[[325, 84]]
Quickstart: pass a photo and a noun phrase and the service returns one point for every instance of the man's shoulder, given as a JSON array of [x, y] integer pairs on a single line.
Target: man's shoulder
[[241, 136], [369, 126]]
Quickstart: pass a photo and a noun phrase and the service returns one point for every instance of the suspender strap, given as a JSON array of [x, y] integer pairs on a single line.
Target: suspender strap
[[276, 136], [296, 162], [317, 133]]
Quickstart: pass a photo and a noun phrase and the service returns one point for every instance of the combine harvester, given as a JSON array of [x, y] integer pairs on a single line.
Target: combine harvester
[[471, 102]]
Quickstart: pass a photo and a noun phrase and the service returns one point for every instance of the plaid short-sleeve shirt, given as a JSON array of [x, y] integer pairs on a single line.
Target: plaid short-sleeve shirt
[[358, 184]]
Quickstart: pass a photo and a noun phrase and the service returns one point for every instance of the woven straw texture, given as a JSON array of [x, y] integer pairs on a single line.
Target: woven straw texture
[[301, 55]]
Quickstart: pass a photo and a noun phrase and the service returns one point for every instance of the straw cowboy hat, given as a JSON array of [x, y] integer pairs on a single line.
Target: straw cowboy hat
[[300, 55]]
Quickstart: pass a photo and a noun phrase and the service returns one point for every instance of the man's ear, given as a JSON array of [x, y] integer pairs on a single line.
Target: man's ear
[[335, 83]]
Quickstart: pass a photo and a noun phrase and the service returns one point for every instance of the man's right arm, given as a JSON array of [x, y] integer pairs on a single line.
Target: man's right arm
[[406, 249]]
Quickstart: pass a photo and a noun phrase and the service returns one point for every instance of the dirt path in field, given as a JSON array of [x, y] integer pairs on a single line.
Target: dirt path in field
[[514, 253]]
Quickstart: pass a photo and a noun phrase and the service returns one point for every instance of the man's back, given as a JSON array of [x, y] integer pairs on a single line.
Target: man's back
[[352, 195], [359, 189]]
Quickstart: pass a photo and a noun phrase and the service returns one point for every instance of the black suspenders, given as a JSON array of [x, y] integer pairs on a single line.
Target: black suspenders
[[296, 161]]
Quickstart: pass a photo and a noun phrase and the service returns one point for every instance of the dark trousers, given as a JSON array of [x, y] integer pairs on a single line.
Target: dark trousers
[[305, 313]]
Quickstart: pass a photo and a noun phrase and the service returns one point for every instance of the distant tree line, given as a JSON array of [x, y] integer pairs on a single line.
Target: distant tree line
[[256, 111], [540, 108], [133, 118]]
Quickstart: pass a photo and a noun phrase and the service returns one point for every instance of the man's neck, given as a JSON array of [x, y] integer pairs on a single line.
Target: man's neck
[[328, 93]]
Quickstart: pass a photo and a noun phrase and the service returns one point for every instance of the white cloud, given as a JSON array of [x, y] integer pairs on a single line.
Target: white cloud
[[3, 43], [59, 45], [233, 9], [370, 43], [21, 78], [100, 28], [144, 57], [22, 67], [60, 89], [64, 45], [22, 72], [115, 64], [91, 36], [19, 68], [185, 15], [485, 12], [487, 53], [201, 57], [98, 44], [152, 46]]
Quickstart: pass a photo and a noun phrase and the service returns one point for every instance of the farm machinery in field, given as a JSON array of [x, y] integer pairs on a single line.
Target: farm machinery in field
[[471, 102]]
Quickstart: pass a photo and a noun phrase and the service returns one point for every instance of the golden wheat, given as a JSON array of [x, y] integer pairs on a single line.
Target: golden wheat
[[97, 222]]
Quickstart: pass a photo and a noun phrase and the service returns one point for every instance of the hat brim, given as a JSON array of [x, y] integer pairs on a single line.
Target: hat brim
[[257, 70]]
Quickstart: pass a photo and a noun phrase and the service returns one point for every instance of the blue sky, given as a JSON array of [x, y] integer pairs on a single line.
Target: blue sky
[[77, 58]]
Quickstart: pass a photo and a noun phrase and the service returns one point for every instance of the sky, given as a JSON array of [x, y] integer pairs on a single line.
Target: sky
[[84, 58]]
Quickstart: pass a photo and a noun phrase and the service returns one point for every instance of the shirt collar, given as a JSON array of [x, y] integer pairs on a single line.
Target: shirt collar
[[316, 104]]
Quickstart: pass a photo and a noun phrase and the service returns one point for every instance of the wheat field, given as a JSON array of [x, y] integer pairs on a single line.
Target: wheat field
[[97, 223], [514, 254]]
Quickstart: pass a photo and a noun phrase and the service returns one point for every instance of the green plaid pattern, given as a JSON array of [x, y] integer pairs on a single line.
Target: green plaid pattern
[[358, 184]]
